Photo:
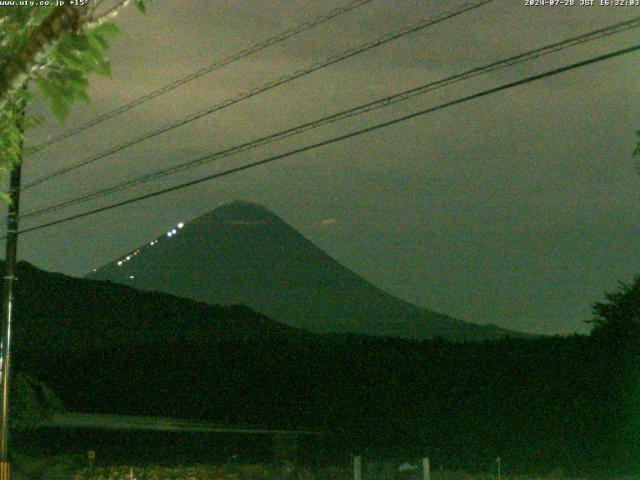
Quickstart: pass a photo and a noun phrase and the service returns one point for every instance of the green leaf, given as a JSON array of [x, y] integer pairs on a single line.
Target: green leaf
[[141, 6], [82, 95], [107, 29], [97, 41], [68, 56], [104, 68], [79, 42], [43, 85], [78, 84], [60, 107]]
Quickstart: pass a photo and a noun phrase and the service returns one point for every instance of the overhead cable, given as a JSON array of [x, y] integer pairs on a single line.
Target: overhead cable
[[339, 138], [352, 112], [234, 57], [425, 23]]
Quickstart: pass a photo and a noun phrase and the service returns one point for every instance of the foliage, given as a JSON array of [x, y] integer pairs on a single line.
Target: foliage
[[58, 47], [620, 314], [617, 334], [33, 402], [50, 466], [200, 472], [11, 135], [71, 61]]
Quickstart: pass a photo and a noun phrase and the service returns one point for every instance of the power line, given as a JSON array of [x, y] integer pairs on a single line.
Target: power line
[[234, 57], [266, 87], [361, 109], [339, 138]]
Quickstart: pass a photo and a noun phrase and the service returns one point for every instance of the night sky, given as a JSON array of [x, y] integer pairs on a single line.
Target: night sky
[[518, 209]]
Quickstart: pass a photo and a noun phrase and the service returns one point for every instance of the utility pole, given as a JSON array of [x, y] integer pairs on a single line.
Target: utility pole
[[11, 251]]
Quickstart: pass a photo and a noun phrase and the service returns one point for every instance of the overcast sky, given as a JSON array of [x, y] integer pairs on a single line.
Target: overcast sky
[[518, 209]]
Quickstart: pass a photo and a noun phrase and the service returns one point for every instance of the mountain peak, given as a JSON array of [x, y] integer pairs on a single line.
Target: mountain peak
[[241, 212]]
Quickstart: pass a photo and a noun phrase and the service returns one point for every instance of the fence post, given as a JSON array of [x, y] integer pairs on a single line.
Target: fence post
[[426, 469], [357, 467]]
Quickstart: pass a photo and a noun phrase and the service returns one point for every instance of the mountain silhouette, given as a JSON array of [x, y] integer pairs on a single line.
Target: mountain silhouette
[[58, 313], [241, 253]]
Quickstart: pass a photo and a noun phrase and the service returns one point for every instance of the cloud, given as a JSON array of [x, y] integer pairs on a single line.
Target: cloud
[[327, 221]]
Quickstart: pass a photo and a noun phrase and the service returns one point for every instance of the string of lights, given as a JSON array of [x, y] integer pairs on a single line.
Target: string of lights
[[359, 110], [339, 138], [234, 57], [421, 25]]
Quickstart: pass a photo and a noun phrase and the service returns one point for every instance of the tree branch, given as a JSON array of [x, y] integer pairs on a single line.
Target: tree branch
[[108, 15], [14, 74]]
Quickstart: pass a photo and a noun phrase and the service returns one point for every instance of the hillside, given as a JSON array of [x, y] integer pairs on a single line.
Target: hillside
[[107, 348], [59, 313]]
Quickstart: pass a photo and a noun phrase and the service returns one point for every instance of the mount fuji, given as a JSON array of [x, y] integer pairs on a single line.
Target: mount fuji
[[241, 253]]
